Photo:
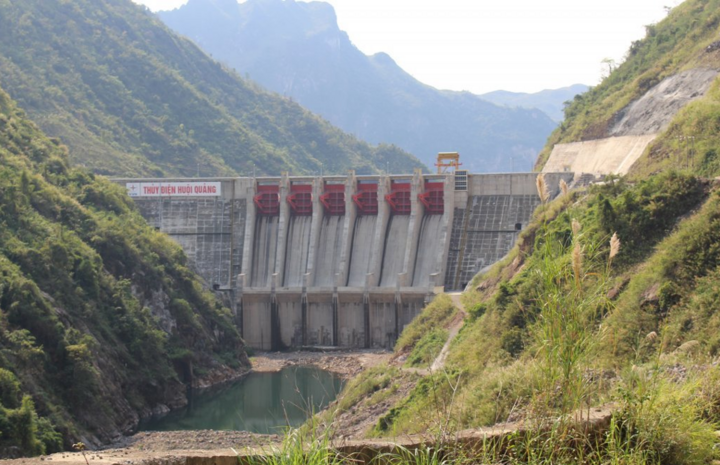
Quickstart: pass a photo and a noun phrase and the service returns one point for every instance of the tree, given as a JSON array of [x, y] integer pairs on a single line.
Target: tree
[[608, 66]]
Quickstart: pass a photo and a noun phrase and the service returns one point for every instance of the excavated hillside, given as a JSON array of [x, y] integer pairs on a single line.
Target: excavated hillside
[[636, 127], [651, 106]]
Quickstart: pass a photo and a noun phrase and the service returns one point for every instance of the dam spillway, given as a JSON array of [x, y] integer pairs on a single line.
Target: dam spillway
[[328, 256], [394, 250], [342, 261], [362, 241], [297, 251], [427, 262], [264, 251]]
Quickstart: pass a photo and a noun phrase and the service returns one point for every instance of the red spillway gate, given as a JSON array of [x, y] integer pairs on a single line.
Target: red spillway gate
[[366, 198], [300, 199], [333, 199], [399, 198], [267, 199], [433, 198]]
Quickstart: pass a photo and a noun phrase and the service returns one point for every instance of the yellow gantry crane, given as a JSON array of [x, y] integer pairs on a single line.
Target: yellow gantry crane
[[448, 162]]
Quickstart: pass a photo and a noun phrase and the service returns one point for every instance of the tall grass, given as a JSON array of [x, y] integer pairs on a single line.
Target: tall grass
[[302, 446], [661, 419], [570, 297]]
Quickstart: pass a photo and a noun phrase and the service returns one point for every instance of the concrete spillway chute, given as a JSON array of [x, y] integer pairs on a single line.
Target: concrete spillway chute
[[298, 235]]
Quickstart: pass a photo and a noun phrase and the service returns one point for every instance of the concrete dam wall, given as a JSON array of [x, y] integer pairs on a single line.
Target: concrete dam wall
[[342, 261]]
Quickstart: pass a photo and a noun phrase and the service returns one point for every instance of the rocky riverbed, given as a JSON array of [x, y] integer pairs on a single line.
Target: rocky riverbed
[[344, 363]]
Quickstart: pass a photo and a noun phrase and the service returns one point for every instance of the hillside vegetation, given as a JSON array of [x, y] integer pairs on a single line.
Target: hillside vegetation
[[101, 321], [131, 98]]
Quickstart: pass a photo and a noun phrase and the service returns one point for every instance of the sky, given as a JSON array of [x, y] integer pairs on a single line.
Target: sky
[[483, 45]]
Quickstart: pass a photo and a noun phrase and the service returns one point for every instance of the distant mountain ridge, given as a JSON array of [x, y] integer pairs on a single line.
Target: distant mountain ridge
[[550, 101], [298, 50], [132, 98]]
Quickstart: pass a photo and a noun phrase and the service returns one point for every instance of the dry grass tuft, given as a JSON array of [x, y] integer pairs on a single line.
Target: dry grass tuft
[[614, 246], [576, 227], [577, 262], [542, 188]]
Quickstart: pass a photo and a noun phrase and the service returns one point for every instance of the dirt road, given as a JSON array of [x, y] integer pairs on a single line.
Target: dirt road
[[439, 362]]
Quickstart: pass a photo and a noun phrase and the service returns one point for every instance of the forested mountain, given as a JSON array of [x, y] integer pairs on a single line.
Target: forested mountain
[[101, 321], [129, 97], [550, 101], [297, 49]]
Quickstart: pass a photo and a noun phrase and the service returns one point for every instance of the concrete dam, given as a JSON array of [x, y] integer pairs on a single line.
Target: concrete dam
[[343, 261]]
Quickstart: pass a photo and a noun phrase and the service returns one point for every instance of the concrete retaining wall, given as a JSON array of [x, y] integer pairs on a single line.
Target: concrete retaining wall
[[614, 155]]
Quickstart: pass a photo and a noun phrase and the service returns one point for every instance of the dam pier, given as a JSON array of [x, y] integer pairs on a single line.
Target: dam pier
[[344, 261]]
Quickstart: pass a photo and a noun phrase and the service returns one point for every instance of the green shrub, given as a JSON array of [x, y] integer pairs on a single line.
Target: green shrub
[[477, 310], [512, 341], [9, 389], [23, 427], [51, 439]]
